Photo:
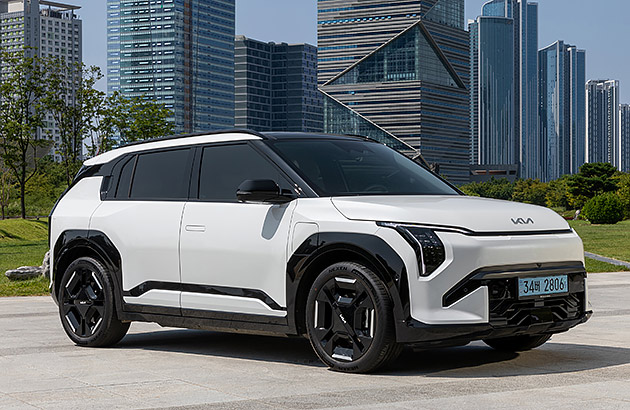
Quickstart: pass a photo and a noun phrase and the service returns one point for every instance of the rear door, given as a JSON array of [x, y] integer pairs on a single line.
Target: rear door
[[143, 221], [234, 255]]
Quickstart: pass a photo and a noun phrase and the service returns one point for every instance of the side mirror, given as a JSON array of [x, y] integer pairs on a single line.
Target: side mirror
[[262, 191]]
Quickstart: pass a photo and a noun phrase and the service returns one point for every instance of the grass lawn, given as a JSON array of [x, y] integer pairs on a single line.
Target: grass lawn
[[593, 266], [22, 243], [612, 241]]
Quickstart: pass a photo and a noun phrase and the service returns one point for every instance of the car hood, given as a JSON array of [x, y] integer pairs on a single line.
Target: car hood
[[470, 213]]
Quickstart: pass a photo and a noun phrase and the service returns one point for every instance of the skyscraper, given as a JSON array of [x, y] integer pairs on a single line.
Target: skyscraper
[[276, 87], [398, 71], [602, 122], [178, 52], [562, 75], [492, 92], [47, 29], [489, 72], [624, 135]]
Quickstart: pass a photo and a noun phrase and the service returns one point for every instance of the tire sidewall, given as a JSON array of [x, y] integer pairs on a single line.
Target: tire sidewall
[[382, 304], [102, 275]]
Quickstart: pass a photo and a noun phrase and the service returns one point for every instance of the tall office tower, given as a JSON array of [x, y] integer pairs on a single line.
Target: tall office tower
[[624, 135], [492, 92], [178, 52], [562, 75], [602, 122], [490, 30], [48, 29], [398, 71], [276, 87]]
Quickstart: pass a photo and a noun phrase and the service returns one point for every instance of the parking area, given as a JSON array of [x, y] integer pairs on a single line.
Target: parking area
[[154, 367]]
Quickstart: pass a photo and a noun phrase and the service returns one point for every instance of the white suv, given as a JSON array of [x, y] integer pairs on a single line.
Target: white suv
[[335, 237]]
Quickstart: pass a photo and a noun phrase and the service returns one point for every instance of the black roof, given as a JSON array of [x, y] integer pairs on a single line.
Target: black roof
[[309, 135]]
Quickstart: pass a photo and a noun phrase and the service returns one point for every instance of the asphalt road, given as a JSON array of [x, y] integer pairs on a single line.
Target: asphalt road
[[588, 367]]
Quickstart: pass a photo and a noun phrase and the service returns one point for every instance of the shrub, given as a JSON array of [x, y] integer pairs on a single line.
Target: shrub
[[604, 209]]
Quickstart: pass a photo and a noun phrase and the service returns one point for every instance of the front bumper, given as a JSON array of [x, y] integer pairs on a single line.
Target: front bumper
[[508, 315]]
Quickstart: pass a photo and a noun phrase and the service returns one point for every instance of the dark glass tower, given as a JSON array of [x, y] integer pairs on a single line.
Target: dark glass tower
[[522, 58], [398, 71], [276, 87], [179, 52], [624, 135], [562, 75]]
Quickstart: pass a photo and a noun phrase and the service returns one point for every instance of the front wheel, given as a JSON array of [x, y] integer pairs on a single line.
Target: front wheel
[[349, 319], [517, 343], [86, 305]]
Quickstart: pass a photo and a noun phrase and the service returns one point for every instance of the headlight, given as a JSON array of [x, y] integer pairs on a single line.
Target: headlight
[[428, 247]]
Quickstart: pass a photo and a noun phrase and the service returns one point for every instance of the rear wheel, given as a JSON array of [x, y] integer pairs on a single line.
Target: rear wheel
[[349, 319], [86, 305], [517, 343]]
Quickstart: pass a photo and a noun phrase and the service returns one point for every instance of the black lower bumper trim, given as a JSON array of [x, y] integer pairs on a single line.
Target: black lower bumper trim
[[418, 333]]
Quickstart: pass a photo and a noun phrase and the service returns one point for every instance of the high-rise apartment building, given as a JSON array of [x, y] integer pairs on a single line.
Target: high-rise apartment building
[[178, 52], [398, 71], [46, 29], [602, 122], [624, 136], [276, 87], [489, 72], [562, 75]]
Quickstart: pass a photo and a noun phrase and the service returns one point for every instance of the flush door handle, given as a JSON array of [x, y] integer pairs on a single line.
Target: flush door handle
[[195, 228]]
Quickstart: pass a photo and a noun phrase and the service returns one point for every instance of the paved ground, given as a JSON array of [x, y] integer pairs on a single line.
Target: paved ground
[[152, 367]]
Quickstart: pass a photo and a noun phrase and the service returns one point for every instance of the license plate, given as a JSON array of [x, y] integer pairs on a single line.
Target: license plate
[[547, 285]]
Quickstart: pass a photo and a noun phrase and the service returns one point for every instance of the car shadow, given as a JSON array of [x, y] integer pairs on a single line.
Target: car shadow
[[474, 360]]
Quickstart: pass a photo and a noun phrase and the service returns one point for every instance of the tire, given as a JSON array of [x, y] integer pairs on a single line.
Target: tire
[[517, 343], [86, 305], [349, 319]]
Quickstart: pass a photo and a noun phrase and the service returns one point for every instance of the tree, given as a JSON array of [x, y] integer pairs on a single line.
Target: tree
[[495, 188], [133, 119], [558, 194], [74, 104], [21, 114], [592, 180], [5, 188], [530, 191], [623, 181]]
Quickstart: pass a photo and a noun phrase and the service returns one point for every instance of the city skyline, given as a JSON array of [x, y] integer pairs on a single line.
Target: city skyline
[[257, 19]]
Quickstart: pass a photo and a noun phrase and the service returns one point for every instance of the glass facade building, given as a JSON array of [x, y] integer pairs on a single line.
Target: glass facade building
[[562, 75], [624, 136], [492, 91], [276, 87], [398, 71], [178, 52], [522, 58], [603, 143]]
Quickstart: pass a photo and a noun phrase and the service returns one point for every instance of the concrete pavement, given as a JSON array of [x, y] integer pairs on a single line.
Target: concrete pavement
[[588, 367]]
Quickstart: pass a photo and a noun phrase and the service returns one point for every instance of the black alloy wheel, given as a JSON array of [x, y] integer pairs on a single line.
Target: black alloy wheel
[[350, 322], [86, 305]]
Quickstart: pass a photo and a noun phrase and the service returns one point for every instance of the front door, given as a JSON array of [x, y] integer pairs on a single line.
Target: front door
[[234, 255]]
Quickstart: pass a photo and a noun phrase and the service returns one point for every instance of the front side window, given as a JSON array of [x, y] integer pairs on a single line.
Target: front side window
[[355, 167], [224, 168], [162, 175]]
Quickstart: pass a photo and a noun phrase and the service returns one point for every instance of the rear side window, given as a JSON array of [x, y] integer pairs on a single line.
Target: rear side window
[[124, 182], [162, 175], [224, 168]]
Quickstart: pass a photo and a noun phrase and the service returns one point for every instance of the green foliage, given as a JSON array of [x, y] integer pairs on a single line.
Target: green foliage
[[558, 193], [133, 119], [623, 182], [530, 191], [592, 180], [495, 188], [604, 209]]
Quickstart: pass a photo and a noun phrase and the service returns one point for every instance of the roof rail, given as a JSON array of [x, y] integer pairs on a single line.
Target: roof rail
[[196, 134]]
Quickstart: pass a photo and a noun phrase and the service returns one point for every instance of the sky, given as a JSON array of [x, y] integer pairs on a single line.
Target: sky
[[601, 30]]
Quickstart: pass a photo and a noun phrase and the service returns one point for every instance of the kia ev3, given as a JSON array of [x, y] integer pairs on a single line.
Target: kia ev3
[[337, 238]]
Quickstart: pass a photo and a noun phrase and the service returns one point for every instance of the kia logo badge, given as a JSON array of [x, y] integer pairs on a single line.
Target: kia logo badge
[[521, 221]]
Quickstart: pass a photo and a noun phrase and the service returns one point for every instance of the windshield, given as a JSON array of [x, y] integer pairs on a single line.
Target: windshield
[[355, 167]]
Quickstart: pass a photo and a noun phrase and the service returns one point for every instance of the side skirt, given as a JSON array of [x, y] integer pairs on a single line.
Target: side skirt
[[206, 320]]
